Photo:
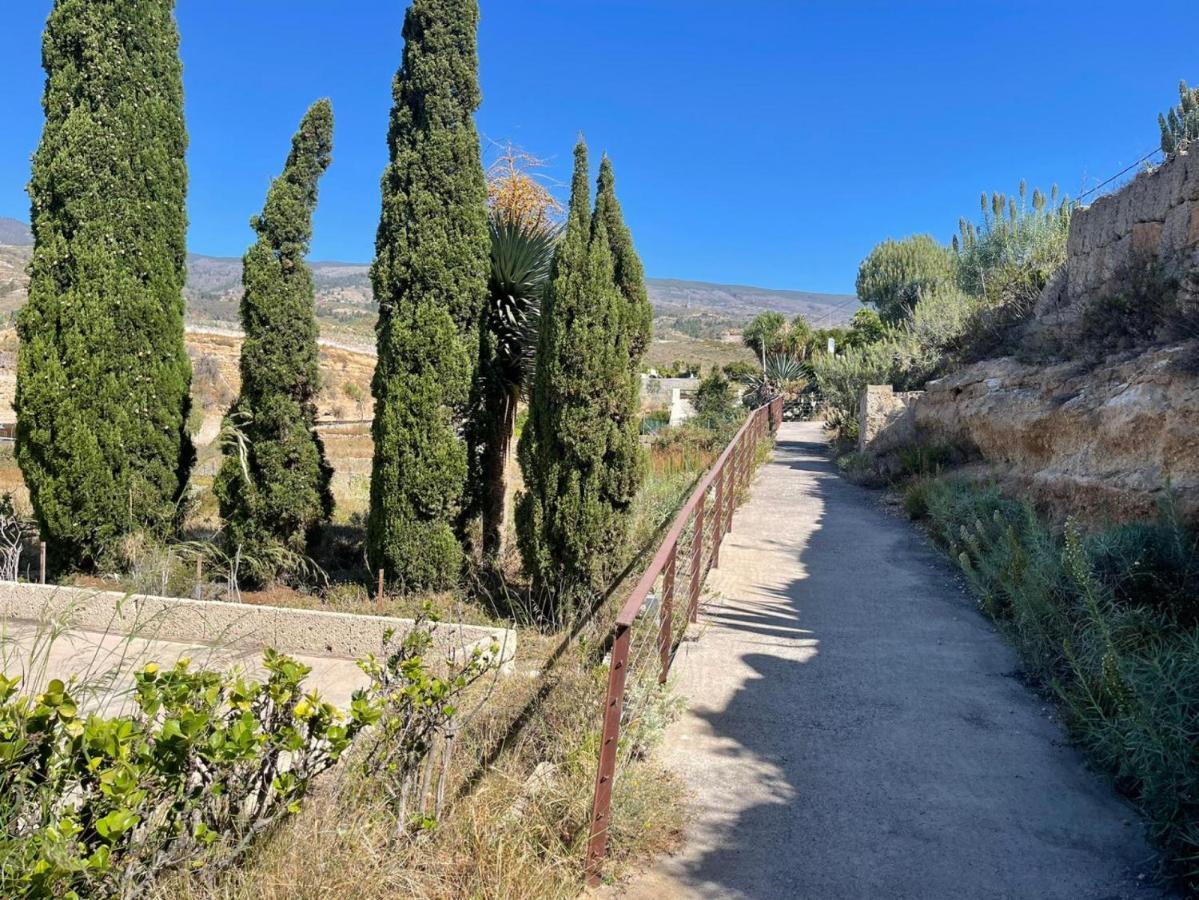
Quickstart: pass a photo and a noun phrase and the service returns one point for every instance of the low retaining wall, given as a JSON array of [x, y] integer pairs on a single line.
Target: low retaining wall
[[211, 623], [886, 422]]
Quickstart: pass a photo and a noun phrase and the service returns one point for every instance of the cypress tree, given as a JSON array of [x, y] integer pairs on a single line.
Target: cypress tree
[[429, 277], [273, 486], [579, 452], [627, 268], [102, 372]]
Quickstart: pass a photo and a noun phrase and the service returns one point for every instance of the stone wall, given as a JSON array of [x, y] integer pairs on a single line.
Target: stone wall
[[1153, 218], [885, 420]]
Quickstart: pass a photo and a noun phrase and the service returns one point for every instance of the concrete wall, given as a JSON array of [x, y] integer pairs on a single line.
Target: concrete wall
[[1154, 217], [218, 624]]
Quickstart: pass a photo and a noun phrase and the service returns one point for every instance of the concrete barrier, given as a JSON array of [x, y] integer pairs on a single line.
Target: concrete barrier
[[218, 624]]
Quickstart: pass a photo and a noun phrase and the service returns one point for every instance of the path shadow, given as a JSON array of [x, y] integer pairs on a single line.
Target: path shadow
[[875, 745]]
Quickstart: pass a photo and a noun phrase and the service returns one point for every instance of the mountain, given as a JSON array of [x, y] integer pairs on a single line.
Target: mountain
[[14, 233], [741, 302], [346, 309]]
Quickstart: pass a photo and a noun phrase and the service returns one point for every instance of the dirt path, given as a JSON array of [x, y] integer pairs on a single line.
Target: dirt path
[[856, 728]]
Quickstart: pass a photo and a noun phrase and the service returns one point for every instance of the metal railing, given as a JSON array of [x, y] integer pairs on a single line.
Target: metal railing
[[669, 587]]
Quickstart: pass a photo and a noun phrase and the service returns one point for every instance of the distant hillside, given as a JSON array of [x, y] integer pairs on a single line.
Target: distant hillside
[[346, 309], [14, 233], [734, 301]]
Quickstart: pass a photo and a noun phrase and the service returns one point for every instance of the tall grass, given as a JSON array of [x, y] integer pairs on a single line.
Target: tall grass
[[1107, 622]]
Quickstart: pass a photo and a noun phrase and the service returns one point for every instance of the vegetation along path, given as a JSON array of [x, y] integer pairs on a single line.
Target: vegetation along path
[[856, 728]]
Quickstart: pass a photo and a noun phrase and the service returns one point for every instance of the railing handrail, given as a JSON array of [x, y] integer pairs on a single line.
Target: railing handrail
[[731, 473], [641, 591]]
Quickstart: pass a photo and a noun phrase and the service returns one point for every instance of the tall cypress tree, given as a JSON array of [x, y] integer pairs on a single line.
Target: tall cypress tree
[[628, 271], [102, 372], [273, 486], [579, 451], [430, 277]]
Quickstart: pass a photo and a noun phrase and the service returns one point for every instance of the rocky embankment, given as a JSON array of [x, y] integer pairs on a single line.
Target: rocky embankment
[[1103, 442]]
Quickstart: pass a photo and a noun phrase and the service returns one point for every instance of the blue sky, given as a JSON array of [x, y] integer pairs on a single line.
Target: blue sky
[[766, 142]]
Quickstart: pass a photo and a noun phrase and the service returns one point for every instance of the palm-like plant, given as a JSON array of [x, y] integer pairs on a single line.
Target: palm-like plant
[[521, 252], [780, 374]]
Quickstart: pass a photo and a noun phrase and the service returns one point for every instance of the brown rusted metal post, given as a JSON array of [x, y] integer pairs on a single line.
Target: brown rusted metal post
[[697, 562], [41, 568], [379, 595], [666, 614], [597, 846], [718, 520]]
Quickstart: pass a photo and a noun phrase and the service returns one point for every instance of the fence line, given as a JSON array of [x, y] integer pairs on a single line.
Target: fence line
[[690, 548]]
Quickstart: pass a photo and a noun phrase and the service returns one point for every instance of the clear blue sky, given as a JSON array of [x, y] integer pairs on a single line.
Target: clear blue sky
[[767, 142]]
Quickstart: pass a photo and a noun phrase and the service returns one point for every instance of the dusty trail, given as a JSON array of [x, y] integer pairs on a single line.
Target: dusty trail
[[855, 729]]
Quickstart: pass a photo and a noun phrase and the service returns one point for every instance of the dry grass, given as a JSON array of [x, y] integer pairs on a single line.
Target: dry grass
[[661, 354]]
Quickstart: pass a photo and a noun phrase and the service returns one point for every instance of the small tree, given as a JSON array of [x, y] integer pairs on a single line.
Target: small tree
[[102, 372], [430, 278], [580, 451], [866, 327], [273, 486], [766, 334], [896, 273]]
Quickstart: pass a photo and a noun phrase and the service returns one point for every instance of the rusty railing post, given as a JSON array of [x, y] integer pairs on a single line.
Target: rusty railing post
[[41, 567], [666, 614], [597, 846], [697, 562], [718, 519], [379, 594]]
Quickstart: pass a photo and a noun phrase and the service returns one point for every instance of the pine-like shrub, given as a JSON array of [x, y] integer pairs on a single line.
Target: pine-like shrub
[[580, 451], [273, 486], [626, 264], [430, 278], [102, 373], [897, 274]]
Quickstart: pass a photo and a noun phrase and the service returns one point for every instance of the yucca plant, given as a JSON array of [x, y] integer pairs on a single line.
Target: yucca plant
[[521, 251]]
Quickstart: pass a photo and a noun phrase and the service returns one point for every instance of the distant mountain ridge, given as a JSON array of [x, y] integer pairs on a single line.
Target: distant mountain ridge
[[344, 299]]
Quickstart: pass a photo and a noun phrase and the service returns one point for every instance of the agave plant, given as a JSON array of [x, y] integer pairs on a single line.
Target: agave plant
[[521, 253], [780, 373]]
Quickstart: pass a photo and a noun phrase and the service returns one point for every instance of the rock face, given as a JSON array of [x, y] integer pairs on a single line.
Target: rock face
[[1099, 442]]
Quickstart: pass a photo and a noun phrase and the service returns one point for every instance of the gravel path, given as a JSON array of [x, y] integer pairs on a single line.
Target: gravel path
[[856, 729]]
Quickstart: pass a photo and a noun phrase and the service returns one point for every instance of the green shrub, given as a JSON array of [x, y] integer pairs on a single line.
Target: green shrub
[[205, 763], [1150, 306], [841, 379], [898, 274], [95, 806], [1107, 622], [1006, 260], [915, 497], [1180, 125]]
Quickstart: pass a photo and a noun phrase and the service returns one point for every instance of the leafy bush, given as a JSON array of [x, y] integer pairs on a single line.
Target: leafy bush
[[1180, 125], [206, 762], [1108, 623], [897, 274], [841, 379], [715, 401], [655, 420], [95, 806]]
